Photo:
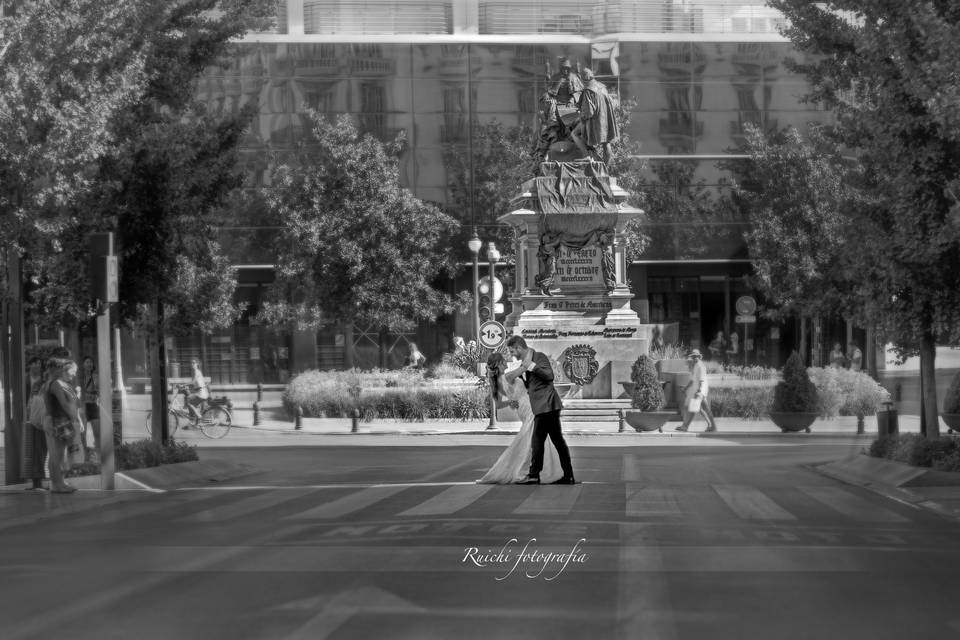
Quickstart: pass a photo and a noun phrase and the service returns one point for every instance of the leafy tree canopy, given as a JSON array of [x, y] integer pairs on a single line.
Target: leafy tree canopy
[[355, 246]]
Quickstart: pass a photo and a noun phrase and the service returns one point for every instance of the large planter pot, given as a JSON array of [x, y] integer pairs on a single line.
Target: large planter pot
[[952, 421], [647, 420], [790, 422]]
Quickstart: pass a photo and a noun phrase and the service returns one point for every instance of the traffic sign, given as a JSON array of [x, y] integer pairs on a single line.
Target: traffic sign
[[745, 319], [492, 334], [746, 306]]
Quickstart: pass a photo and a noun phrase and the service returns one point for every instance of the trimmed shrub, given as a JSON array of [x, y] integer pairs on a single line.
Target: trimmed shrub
[[647, 390], [951, 401], [795, 393], [846, 393]]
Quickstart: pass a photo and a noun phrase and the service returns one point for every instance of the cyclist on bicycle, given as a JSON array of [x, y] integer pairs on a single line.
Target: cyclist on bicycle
[[199, 393]]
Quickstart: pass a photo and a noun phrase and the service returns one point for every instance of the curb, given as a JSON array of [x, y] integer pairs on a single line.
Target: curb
[[886, 478]]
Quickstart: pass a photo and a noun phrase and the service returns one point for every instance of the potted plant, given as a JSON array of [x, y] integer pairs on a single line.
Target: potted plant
[[647, 397], [794, 398], [951, 405]]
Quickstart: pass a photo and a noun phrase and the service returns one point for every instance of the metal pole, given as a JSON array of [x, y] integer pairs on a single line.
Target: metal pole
[[493, 306], [476, 299]]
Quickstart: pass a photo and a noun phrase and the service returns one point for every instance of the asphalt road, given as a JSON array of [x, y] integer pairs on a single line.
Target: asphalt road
[[671, 542]]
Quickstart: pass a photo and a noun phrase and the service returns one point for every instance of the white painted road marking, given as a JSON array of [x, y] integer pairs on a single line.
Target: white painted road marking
[[751, 504], [449, 501]]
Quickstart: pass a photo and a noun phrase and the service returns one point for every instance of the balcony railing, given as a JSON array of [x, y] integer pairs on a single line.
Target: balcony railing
[[626, 16], [371, 17]]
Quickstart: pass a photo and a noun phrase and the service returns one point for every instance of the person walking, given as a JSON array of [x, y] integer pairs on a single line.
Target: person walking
[[695, 393], [546, 406]]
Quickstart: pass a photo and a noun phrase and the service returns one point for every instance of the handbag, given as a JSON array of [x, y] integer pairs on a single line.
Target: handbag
[[64, 431], [693, 405]]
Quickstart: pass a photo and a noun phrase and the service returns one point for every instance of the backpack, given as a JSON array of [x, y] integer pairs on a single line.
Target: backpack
[[36, 411]]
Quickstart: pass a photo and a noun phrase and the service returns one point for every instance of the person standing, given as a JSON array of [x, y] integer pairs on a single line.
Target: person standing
[[717, 346], [546, 406], [837, 359], [856, 356], [91, 408], [34, 443], [733, 353], [697, 390], [64, 413]]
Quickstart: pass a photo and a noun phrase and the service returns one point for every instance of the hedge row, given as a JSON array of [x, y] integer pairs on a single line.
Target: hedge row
[[942, 454]]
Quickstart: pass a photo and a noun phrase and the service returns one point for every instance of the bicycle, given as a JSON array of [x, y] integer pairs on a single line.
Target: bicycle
[[212, 417]]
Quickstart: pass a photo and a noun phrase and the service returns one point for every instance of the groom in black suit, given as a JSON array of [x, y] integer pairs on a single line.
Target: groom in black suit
[[546, 405]]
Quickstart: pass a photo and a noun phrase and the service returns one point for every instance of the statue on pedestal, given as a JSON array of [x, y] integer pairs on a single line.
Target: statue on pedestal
[[576, 115]]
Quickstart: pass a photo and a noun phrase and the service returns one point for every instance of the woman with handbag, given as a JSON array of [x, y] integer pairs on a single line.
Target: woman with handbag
[[695, 396], [63, 420]]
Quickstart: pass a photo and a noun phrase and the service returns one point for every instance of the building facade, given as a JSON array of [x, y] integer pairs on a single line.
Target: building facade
[[696, 72]]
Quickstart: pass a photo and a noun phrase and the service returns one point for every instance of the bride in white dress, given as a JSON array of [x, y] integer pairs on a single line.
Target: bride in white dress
[[514, 463]]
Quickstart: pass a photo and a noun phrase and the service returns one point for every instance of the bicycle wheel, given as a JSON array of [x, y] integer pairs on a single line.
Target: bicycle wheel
[[173, 422], [215, 422]]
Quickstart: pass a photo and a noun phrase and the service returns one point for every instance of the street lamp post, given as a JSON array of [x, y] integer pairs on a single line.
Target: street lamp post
[[474, 245], [492, 256]]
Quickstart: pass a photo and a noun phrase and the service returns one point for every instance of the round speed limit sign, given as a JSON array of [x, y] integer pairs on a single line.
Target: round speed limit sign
[[492, 334]]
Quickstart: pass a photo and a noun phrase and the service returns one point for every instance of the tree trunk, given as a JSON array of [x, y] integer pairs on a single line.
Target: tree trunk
[[803, 338], [14, 383], [160, 427], [928, 406]]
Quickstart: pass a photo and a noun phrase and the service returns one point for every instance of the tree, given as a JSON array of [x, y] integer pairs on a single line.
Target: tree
[[172, 167], [67, 68], [798, 193], [888, 69], [501, 160], [354, 245], [686, 218]]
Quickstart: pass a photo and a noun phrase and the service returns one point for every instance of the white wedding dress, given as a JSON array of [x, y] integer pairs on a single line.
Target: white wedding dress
[[514, 463]]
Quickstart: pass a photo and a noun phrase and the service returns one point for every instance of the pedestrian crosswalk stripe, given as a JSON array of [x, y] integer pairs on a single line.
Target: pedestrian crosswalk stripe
[[449, 501], [156, 503], [650, 501], [751, 504], [850, 505], [349, 503], [246, 506], [557, 500]]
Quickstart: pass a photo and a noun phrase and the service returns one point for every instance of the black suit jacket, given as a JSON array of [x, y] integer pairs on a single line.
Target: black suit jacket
[[539, 382]]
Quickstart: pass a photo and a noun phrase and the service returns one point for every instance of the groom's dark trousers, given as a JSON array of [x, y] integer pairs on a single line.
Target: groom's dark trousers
[[548, 424]]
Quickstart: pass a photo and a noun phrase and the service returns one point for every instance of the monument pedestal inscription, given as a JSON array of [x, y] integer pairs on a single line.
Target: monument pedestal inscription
[[571, 299]]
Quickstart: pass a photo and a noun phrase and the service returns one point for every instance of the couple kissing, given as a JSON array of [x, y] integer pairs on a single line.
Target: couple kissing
[[527, 459]]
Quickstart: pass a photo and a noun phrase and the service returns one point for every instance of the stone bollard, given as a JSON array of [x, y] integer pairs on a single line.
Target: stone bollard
[[355, 421], [620, 415], [259, 392], [256, 413], [298, 421]]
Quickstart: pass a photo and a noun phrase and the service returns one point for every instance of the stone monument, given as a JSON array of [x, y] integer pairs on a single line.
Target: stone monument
[[572, 299]]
